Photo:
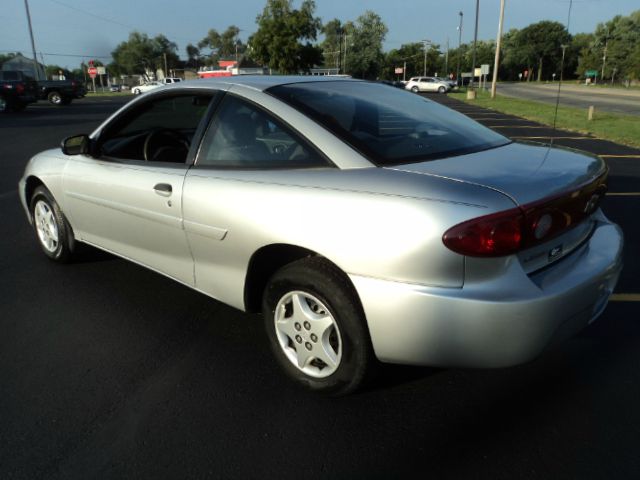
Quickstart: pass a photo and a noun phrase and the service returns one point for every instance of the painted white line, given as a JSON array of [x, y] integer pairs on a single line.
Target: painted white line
[[521, 126], [546, 137], [8, 194], [619, 156], [625, 297], [623, 194]]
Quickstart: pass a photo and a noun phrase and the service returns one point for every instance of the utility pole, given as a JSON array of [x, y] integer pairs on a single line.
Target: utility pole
[[33, 43], [404, 71], [345, 54], [446, 60], [425, 42], [166, 72], [498, 42], [475, 40], [459, 47]]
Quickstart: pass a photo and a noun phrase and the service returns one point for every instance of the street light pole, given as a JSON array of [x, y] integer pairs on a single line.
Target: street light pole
[[459, 47], [498, 42], [475, 40], [33, 43]]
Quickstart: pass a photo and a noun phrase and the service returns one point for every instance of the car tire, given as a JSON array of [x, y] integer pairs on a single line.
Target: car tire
[[53, 232], [442, 90], [415, 89], [66, 100], [316, 327], [54, 98], [4, 104], [136, 91]]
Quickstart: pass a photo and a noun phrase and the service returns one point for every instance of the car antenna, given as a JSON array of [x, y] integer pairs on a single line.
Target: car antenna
[[564, 49]]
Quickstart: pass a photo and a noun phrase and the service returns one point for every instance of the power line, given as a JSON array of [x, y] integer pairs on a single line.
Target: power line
[[100, 17]]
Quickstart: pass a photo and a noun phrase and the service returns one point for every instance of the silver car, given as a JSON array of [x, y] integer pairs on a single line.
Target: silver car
[[366, 223]]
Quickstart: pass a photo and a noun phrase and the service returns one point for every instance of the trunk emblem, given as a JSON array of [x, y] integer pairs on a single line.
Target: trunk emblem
[[555, 252]]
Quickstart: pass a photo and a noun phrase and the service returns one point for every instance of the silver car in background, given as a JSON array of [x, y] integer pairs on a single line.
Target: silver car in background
[[366, 223]]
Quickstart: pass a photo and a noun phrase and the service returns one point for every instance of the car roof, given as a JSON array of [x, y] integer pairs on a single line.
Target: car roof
[[263, 82]]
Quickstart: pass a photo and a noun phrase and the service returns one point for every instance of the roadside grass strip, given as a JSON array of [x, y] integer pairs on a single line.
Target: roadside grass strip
[[623, 129]]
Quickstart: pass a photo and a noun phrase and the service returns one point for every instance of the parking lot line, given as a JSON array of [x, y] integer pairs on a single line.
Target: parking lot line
[[521, 126], [620, 156], [625, 297], [557, 138], [623, 194]]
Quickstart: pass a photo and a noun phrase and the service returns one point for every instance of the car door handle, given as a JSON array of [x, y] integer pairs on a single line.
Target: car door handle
[[163, 189]]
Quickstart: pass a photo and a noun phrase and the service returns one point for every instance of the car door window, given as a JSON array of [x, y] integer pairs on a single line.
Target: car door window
[[159, 130], [243, 135]]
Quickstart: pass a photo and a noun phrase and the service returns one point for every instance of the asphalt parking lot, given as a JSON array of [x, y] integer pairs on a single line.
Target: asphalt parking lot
[[108, 370]]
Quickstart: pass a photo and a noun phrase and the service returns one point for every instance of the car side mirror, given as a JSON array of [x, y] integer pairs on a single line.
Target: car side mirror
[[76, 145]]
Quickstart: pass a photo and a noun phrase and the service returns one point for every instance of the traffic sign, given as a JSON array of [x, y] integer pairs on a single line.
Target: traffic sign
[[92, 71]]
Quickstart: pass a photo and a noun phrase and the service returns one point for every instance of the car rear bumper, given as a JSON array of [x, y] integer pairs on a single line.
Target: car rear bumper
[[507, 322]]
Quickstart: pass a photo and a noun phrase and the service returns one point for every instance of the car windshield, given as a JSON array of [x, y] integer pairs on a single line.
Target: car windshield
[[388, 126]]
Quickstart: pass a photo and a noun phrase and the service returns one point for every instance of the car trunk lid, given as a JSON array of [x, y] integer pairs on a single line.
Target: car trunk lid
[[524, 172]]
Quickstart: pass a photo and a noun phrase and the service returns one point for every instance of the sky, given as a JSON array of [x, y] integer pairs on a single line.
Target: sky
[[69, 31]]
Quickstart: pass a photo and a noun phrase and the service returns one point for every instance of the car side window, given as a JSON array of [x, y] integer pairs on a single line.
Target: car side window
[[159, 130], [243, 135]]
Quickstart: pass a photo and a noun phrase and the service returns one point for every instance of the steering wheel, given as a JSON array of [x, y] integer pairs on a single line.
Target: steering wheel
[[169, 137]]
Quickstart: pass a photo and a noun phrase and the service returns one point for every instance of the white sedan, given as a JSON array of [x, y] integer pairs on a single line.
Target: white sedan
[[427, 84], [146, 87]]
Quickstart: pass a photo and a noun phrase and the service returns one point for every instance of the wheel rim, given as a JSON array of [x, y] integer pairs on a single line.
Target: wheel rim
[[308, 334], [46, 226], [3, 104], [55, 98]]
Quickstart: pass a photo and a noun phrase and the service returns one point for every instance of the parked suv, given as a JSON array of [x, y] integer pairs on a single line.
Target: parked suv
[[427, 84]]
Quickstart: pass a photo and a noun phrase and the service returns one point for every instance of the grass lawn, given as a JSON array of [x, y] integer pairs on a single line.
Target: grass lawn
[[623, 129]]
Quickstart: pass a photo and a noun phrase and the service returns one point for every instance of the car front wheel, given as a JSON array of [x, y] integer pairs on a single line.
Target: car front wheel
[[442, 89], [52, 229], [136, 91], [316, 327], [415, 89]]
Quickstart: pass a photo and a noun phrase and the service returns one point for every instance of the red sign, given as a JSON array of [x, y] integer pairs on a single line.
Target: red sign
[[92, 71], [399, 70]]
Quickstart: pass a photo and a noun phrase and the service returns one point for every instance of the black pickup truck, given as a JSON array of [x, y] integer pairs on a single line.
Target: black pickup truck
[[60, 92], [16, 92]]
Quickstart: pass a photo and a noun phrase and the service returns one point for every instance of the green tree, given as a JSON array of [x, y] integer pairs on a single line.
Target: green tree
[[332, 45], [284, 35], [222, 45], [365, 58], [539, 45], [193, 55], [140, 54], [411, 53]]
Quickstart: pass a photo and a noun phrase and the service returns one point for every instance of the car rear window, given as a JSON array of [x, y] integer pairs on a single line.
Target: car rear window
[[387, 125]]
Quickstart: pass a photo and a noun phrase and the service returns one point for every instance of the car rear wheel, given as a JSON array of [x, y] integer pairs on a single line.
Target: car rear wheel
[[316, 327], [415, 89], [442, 89], [54, 98], [51, 227], [136, 91]]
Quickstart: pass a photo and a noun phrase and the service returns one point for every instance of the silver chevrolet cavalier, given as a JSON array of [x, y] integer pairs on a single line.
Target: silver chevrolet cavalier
[[366, 223]]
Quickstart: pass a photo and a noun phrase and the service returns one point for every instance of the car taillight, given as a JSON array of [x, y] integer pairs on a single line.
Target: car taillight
[[510, 231], [492, 235], [20, 88]]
